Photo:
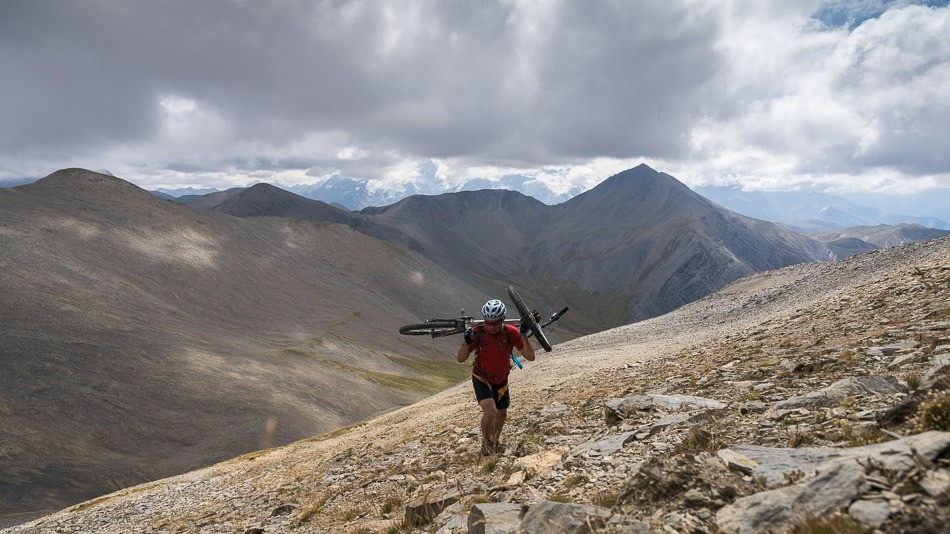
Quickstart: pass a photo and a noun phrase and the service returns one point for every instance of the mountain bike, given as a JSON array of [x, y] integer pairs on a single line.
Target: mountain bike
[[530, 323]]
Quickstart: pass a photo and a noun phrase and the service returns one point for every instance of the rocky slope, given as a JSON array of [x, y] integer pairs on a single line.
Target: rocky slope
[[812, 394]]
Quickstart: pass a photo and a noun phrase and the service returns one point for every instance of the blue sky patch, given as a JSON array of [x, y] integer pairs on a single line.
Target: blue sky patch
[[852, 13]]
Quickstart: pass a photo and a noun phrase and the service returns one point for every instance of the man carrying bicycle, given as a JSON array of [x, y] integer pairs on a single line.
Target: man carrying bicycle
[[492, 343]]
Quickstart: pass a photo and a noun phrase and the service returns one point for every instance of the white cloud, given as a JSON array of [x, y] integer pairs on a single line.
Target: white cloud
[[832, 104]]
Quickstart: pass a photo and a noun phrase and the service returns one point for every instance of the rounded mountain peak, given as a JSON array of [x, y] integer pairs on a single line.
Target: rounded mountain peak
[[76, 178], [641, 189], [640, 176]]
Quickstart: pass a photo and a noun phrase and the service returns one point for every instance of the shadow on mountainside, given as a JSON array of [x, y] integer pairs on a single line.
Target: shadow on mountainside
[[140, 338]]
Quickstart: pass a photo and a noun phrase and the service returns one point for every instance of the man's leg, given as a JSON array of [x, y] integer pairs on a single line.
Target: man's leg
[[489, 413], [500, 417]]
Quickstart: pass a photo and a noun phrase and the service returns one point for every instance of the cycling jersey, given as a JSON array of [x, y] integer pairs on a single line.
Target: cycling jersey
[[492, 360]]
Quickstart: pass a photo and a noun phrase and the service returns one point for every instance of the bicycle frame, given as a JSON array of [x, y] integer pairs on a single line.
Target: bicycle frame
[[529, 322], [463, 323]]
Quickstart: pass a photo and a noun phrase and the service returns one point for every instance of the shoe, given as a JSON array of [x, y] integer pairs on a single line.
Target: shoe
[[498, 448], [488, 448]]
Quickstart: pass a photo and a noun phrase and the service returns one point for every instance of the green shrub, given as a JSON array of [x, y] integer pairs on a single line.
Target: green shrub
[[913, 382]]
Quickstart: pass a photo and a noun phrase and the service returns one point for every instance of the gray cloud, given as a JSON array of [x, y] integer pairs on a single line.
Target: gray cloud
[[362, 88], [445, 79]]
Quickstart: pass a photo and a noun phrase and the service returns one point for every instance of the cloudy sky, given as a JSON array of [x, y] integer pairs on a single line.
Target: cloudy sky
[[835, 95]]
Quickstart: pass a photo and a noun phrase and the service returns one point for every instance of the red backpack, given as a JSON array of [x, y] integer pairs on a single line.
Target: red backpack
[[477, 371]]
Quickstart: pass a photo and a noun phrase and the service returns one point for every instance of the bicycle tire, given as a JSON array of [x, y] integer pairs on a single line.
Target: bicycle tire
[[432, 328], [528, 319]]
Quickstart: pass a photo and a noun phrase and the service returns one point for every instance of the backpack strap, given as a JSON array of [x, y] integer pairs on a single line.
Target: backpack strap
[[479, 330], [501, 391], [478, 338]]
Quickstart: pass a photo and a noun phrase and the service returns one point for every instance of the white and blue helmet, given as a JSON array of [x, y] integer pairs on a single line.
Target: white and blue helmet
[[493, 310]]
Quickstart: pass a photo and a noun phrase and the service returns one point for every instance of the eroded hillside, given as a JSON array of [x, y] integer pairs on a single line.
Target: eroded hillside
[[140, 338], [780, 388]]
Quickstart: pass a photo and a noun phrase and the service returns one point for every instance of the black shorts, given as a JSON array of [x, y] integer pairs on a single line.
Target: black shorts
[[484, 391]]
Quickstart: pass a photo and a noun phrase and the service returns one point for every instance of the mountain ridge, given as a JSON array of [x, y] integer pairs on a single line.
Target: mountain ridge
[[595, 242], [685, 245], [79, 181]]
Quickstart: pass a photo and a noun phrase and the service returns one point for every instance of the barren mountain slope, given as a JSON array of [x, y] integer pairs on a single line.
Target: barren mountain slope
[[474, 233], [210, 201], [637, 245], [754, 346], [141, 338], [646, 244], [265, 200]]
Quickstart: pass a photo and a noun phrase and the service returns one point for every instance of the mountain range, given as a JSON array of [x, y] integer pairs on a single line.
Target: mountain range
[[356, 194], [803, 211], [811, 212], [638, 245], [141, 337]]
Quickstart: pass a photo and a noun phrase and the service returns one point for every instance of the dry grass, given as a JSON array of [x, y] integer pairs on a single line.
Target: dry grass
[[800, 439], [698, 440], [575, 479], [868, 437], [606, 498], [403, 527], [313, 507], [349, 514], [490, 463], [390, 504]]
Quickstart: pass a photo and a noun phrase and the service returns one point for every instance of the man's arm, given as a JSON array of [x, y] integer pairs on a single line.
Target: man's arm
[[527, 350], [463, 352]]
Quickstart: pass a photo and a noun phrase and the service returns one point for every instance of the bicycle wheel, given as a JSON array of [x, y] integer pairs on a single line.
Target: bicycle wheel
[[432, 328], [527, 318]]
